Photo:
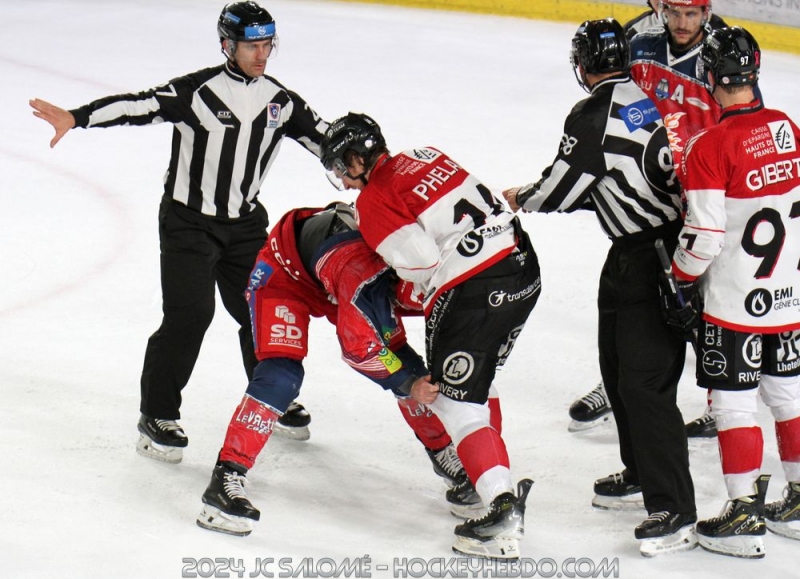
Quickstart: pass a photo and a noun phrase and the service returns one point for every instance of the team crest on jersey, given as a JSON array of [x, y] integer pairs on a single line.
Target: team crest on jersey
[[639, 114], [273, 115], [662, 89], [783, 136]]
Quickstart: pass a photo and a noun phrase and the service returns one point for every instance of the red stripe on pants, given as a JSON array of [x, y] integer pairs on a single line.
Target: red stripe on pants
[[495, 415]]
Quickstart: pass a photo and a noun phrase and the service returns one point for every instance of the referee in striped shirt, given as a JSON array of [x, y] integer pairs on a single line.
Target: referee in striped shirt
[[229, 121], [614, 157]]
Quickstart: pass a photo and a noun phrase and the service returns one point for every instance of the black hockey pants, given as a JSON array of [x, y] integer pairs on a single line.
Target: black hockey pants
[[198, 252], [641, 361]]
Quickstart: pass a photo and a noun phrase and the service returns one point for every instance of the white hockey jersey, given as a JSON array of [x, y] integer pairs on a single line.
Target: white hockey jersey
[[742, 227], [433, 222]]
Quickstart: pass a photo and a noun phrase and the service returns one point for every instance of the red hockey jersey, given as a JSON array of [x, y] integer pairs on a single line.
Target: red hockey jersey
[[742, 228], [671, 81], [433, 222]]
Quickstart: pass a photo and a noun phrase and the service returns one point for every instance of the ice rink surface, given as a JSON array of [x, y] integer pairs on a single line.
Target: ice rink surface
[[80, 295]]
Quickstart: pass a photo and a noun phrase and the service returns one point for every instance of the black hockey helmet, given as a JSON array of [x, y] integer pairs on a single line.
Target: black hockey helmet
[[599, 47], [732, 56], [353, 132], [245, 22]]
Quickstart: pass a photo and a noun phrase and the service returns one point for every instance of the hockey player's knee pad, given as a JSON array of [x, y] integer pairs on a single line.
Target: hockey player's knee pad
[[782, 395], [461, 418], [276, 382]]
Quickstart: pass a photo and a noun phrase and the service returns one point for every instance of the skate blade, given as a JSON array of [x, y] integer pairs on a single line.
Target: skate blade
[[702, 434], [790, 530], [744, 546], [576, 426], [682, 540], [213, 519], [632, 502], [292, 432], [146, 447], [465, 512], [498, 548]]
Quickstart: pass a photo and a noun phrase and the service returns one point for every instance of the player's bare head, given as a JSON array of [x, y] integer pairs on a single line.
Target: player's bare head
[[685, 21]]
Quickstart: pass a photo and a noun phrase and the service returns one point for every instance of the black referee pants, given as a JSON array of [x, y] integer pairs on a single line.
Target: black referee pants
[[641, 361], [198, 253]]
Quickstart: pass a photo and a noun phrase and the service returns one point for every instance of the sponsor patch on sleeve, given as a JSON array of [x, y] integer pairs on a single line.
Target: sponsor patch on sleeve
[[639, 114]]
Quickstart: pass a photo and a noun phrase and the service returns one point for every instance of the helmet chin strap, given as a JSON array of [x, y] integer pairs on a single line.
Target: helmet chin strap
[[361, 177], [230, 51]]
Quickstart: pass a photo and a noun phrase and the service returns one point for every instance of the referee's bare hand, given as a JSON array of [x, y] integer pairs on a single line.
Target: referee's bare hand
[[61, 119], [424, 391]]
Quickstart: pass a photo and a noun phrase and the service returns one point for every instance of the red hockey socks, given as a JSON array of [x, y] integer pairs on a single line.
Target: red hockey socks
[[788, 432], [248, 431], [741, 450], [481, 451], [425, 424]]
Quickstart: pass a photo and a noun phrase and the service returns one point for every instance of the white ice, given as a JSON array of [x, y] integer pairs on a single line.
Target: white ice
[[80, 295]]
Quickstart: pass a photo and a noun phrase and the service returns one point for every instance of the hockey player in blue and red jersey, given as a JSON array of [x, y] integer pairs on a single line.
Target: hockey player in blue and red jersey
[[664, 65], [652, 19], [316, 264]]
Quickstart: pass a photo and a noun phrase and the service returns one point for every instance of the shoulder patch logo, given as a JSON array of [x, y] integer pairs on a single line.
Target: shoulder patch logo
[[783, 136], [425, 155]]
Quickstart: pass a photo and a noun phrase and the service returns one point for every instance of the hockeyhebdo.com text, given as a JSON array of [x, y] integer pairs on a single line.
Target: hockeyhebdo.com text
[[400, 568]]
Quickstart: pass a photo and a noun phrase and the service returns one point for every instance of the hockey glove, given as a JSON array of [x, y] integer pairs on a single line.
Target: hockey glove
[[682, 319]]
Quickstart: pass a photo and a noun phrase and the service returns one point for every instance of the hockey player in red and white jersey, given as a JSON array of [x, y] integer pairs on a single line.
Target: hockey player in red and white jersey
[[315, 264], [741, 242], [478, 278]]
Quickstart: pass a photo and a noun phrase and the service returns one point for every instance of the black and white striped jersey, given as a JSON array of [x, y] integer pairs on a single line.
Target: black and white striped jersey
[[227, 132], [614, 157]]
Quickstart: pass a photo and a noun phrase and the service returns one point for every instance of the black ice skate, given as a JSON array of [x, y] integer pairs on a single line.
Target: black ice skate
[[496, 535], [464, 500], [590, 410], [162, 440], [617, 492], [447, 465], [226, 506], [783, 517], [703, 427], [294, 423], [739, 530], [665, 532]]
